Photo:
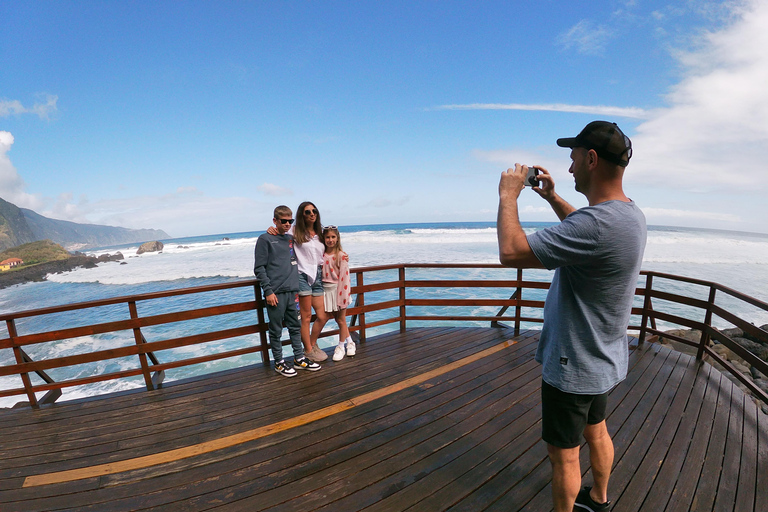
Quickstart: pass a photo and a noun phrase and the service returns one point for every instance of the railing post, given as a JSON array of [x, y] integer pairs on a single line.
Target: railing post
[[19, 354], [262, 322], [52, 395], [361, 303], [646, 306], [707, 323], [401, 275], [518, 307], [140, 341]]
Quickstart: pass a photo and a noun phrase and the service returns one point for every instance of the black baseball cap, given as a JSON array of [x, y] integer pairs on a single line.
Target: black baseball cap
[[608, 141]]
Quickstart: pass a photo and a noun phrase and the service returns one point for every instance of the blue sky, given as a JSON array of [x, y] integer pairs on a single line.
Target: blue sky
[[200, 117]]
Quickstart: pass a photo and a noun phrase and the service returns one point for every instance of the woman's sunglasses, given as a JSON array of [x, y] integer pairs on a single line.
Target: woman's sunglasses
[[311, 212]]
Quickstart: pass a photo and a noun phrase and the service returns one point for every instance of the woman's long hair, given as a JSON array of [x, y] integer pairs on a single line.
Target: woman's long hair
[[300, 234]]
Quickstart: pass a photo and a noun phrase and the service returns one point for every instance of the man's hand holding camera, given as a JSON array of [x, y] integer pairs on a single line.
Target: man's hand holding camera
[[513, 180]]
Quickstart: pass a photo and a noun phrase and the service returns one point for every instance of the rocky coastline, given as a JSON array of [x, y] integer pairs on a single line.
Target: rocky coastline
[[40, 271], [758, 347]]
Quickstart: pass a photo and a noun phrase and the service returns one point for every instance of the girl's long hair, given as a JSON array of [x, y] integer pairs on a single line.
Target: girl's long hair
[[300, 234], [338, 248]]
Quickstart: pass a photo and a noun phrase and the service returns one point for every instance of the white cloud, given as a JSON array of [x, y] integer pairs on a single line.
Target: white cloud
[[535, 209], [587, 37], [714, 133], [669, 214], [186, 212], [599, 110], [383, 202], [553, 158], [270, 189], [11, 185], [42, 110]]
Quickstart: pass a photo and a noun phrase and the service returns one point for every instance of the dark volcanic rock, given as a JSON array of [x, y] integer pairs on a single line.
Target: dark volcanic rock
[[38, 272], [111, 257], [754, 338], [758, 349]]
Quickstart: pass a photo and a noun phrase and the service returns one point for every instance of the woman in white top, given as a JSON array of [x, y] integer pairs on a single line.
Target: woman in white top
[[309, 249]]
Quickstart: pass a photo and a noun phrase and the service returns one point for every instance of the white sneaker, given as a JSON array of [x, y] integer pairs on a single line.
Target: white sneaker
[[350, 348], [338, 353]]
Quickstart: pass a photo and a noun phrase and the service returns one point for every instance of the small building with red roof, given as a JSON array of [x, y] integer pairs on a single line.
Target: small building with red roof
[[10, 263]]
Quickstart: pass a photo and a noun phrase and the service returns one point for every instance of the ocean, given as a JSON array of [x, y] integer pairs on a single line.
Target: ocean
[[734, 259]]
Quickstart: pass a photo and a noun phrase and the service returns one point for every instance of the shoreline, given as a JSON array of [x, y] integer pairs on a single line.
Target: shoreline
[[38, 273]]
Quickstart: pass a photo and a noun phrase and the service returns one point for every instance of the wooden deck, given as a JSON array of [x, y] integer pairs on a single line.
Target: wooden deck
[[433, 419]]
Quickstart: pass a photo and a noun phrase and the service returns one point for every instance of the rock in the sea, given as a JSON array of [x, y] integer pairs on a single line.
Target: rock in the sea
[[110, 257], [150, 247]]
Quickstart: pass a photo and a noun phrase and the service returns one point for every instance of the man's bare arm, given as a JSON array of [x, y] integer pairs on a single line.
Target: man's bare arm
[[546, 190], [514, 250]]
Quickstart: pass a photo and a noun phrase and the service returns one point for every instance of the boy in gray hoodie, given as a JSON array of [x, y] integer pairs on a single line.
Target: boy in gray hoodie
[[276, 269]]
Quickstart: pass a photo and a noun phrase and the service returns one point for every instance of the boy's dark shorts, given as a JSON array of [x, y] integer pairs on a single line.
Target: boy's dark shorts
[[565, 415]]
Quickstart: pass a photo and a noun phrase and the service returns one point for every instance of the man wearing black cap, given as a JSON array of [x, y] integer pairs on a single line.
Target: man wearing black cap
[[583, 348]]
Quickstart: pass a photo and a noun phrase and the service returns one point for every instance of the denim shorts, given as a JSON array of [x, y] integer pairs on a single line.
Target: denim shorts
[[565, 415], [316, 290]]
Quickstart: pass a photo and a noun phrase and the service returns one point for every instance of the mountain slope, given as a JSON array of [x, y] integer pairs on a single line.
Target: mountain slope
[[20, 226], [14, 229], [73, 235]]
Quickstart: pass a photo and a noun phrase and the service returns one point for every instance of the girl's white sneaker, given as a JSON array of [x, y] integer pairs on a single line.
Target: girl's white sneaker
[[350, 348], [338, 353]]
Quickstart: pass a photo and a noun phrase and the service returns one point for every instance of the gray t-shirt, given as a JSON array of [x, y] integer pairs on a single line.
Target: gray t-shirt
[[597, 251]]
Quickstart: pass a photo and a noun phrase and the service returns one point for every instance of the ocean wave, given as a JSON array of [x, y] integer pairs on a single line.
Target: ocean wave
[[233, 258]]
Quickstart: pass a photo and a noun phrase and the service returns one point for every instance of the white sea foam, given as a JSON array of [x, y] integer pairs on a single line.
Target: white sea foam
[[226, 259], [703, 248], [234, 258]]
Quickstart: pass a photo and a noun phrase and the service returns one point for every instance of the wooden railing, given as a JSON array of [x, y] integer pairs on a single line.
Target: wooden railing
[[388, 294], [706, 309]]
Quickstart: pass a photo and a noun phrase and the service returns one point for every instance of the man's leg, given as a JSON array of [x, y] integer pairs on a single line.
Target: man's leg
[[566, 477], [564, 417], [293, 324], [601, 458], [275, 314]]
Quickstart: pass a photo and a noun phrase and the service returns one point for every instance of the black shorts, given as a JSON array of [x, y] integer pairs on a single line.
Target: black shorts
[[565, 415]]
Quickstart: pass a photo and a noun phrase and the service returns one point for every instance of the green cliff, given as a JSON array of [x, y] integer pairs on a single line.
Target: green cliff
[[14, 229]]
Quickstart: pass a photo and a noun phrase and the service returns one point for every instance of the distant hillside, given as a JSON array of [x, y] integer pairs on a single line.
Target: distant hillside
[[43, 258], [36, 252], [14, 229], [20, 225]]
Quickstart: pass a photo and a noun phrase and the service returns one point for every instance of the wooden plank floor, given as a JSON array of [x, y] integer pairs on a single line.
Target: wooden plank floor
[[430, 420]]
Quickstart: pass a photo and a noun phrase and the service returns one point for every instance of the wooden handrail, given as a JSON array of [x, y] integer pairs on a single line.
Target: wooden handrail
[[379, 301]]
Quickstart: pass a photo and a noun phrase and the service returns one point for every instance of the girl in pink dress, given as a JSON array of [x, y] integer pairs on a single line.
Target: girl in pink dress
[[336, 289]]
